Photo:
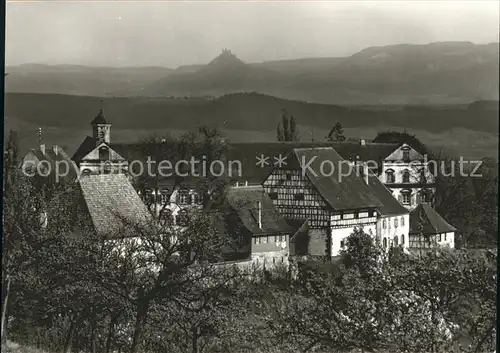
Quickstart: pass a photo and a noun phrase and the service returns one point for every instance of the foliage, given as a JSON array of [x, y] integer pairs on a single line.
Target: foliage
[[287, 128], [400, 138], [336, 134]]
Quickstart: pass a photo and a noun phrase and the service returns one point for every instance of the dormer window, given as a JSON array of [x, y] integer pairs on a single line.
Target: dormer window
[[406, 155], [104, 153]]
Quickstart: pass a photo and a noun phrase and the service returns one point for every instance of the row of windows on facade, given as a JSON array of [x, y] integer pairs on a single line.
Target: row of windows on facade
[[168, 218], [265, 239], [422, 197], [390, 177], [386, 224], [418, 241], [264, 262], [395, 241], [184, 197]]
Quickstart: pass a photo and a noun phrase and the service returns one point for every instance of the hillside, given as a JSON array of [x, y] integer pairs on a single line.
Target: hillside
[[79, 80], [436, 73], [238, 111], [468, 130]]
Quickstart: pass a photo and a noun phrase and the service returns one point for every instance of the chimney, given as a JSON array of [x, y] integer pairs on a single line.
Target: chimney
[[259, 212], [246, 183], [55, 148], [362, 142], [42, 148], [365, 173]]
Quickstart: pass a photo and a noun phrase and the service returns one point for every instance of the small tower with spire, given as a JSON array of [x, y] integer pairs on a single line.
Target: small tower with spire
[[100, 128], [40, 140]]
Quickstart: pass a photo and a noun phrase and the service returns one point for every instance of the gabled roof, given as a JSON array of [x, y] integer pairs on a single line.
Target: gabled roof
[[390, 206], [344, 189], [54, 160], [85, 148], [244, 201], [247, 152], [424, 219], [113, 203]]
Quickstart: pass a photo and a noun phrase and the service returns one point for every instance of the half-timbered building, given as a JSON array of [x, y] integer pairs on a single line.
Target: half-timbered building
[[317, 185], [428, 230]]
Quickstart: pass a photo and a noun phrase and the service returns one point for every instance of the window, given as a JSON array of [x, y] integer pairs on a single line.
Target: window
[[423, 178], [164, 196], [406, 198], [196, 199], [402, 221], [384, 224], [273, 195], [444, 236], [184, 198], [385, 242], [182, 218], [396, 240], [439, 237], [299, 197], [166, 217], [342, 244], [288, 176], [406, 155], [406, 176], [86, 171], [424, 196], [104, 153], [256, 240], [403, 239], [389, 176], [396, 221], [264, 240]]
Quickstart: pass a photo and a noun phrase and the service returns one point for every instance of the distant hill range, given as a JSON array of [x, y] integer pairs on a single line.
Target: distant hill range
[[252, 111], [436, 73]]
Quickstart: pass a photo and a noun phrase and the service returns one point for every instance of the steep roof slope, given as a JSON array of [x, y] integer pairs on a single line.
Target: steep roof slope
[[344, 189], [113, 204], [424, 219], [390, 206], [244, 200]]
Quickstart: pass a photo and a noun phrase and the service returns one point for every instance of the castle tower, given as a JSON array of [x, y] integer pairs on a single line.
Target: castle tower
[[101, 129]]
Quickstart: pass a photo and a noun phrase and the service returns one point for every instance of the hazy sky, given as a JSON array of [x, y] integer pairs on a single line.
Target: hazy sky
[[177, 33]]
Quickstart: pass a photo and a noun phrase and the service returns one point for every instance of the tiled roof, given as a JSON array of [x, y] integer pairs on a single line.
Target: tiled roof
[[113, 203], [85, 148], [244, 200], [247, 153], [53, 158], [424, 219], [390, 206], [344, 190]]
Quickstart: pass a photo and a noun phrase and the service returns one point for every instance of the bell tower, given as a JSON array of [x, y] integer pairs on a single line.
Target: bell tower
[[101, 129]]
